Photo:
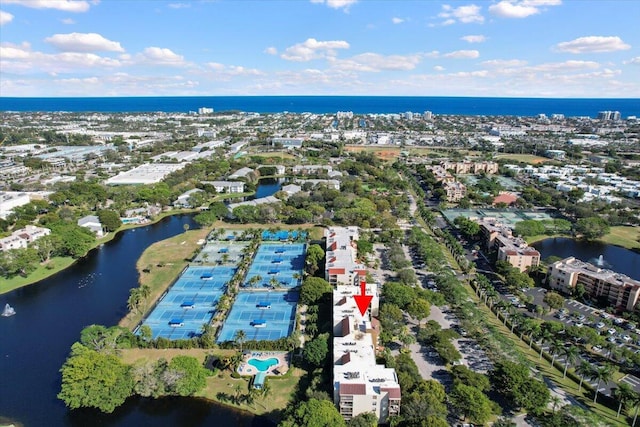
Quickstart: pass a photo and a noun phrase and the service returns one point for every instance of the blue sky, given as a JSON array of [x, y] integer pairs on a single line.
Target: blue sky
[[537, 48]]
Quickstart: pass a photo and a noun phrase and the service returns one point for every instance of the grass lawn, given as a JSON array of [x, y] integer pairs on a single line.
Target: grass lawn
[[164, 260], [54, 266], [525, 158], [543, 366], [130, 355], [627, 237], [276, 154], [282, 390]]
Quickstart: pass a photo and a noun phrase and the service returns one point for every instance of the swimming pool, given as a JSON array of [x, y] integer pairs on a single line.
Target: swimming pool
[[263, 365]]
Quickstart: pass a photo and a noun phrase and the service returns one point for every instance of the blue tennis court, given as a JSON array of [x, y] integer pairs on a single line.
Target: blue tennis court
[[263, 316], [276, 265], [189, 303], [283, 235]]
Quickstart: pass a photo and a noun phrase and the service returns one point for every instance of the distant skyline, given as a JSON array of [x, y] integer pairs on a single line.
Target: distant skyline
[[507, 48]]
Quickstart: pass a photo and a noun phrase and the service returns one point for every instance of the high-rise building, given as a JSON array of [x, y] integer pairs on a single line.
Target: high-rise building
[[360, 385]]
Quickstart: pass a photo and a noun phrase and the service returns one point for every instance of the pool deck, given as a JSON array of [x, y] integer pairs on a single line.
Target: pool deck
[[282, 366]]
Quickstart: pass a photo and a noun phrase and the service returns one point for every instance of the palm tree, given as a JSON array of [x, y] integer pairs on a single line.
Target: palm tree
[[516, 319], [584, 369], [134, 299], [555, 401], [239, 338], [555, 347], [571, 355], [635, 401], [273, 282], [544, 336], [624, 394], [602, 374]]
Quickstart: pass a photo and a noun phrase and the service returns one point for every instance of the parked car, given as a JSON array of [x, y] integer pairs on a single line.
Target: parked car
[[600, 325]]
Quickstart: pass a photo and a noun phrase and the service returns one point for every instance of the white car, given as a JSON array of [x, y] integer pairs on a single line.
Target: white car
[[618, 321], [596, 348], [605, 315], [599, 325], [611, 331], [626, 337], [579, 324]]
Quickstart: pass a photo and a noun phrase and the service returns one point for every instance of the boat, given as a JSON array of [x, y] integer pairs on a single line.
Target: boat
[[8, 311]]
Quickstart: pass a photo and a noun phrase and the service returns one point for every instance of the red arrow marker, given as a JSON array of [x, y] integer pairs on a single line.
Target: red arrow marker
[[363, 300]]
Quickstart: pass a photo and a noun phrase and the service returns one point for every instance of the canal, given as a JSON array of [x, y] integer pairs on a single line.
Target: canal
[[50, 315]]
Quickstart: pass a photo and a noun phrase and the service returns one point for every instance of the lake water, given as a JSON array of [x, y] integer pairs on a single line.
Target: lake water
[[50, 315], [615, 258]]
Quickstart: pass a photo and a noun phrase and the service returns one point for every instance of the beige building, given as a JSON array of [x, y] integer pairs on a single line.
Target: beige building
[[360, 385], [455, 191], [468, 167], [621, 291], [512, 249]]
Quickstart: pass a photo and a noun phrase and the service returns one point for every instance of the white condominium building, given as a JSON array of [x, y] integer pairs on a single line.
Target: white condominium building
[[359, 384], [342, 265]]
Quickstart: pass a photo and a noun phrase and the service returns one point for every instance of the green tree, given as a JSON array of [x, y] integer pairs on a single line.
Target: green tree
[[315, 254], [554, 300], [367, 419], [239, 338], [315, 351], [314, 413], [419, 308], [624, 395], [467, 227], [602, 374], [92, 379], [571, 354], [109, 219], [313, 289], [463, 375], [592, 228], [472, 403], [398, 294], [190, 376]]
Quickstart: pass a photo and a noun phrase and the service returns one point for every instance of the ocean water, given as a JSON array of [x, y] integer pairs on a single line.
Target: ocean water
[[570, 107]]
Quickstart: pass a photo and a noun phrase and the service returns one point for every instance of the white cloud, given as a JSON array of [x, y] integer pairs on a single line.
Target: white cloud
[[336, 4], [462, 54], [520, 9], [64, 5], [83, 42], [271, 50], [68, 21], [20, 59], [507, 9], [564, 66], [5, 17], [464, 14], [635, 61], [178, 5], [593, 44], [313, 49], [396, 20], [500, 63], [160, 56], [222, 70], [374, 62], [438, 68], [474, 38]]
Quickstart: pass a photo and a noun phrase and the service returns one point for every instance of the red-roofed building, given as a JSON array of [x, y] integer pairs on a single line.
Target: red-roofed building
[[506, 198]]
